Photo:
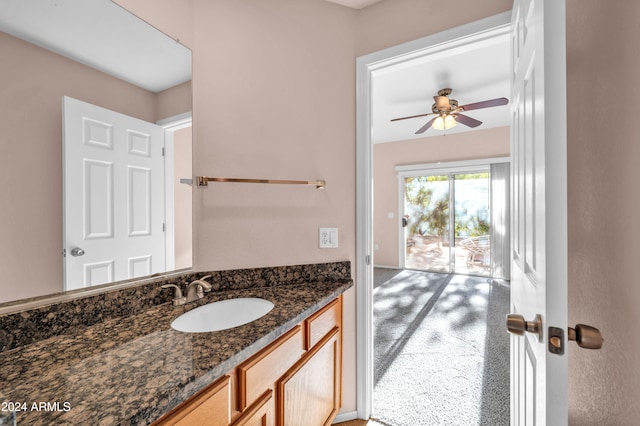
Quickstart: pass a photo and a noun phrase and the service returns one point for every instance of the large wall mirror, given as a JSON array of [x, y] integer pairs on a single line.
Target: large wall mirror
[[98, 53]]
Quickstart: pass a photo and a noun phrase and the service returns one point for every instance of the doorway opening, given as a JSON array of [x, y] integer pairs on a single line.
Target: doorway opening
[[438, 318], [366, 66]]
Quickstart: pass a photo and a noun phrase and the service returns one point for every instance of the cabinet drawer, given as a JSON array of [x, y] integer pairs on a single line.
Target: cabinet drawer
[[210, 406], [322, 322], [260, 372]]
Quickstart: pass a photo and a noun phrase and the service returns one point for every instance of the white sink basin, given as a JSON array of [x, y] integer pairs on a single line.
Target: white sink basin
[[222, 315]]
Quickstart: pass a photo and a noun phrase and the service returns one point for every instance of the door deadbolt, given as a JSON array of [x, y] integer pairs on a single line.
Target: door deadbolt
[[585, 336]]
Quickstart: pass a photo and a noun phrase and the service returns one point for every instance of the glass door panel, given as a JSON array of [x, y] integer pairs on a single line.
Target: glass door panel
[[472, 219], [427, 220]]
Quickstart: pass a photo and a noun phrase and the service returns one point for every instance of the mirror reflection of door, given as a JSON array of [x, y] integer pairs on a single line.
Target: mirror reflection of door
[[114, 227], [448, 222], [178, 194]]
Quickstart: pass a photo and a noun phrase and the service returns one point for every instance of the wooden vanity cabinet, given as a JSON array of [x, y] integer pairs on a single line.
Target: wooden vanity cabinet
[[296, 380], [260, 413], [309, 393], [322, 322], [260, 372], [210, 406]]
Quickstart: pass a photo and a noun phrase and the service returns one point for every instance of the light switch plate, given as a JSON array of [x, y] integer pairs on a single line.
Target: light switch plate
[[328, 237]]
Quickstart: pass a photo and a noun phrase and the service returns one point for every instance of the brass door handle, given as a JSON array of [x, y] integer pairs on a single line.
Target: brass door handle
[[516, 324], [586, 337]]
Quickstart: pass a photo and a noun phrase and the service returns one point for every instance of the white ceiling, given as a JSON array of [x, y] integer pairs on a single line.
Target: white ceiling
[[102, 35], [476, 72]]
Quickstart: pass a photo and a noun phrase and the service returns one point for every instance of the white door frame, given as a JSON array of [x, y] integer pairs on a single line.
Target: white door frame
[[170, 125], [366, 65]]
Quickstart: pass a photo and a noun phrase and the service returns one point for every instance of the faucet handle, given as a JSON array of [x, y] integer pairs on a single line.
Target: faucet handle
[[179, 298], [204, 284]]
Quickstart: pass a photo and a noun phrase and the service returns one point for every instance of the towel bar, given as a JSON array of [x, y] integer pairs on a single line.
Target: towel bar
[[204, 181]]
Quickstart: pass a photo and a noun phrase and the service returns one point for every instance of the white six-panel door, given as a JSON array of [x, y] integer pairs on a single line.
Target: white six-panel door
[[539, 209], [113, 196]]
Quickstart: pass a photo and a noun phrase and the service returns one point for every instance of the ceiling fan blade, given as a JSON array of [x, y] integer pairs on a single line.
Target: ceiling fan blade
[[467, 121], [426, 126], [485, 104], [411, 116]]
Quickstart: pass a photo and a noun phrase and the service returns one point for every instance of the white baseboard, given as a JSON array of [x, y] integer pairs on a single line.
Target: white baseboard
[[386, 266], [345, 417]]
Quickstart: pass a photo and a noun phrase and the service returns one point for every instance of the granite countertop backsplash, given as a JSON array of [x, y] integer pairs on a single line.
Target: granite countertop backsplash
[[109, 360]]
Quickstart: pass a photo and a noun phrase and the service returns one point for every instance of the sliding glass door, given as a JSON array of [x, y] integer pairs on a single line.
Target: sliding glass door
[[427, 220], [447, 222], [472, 224]]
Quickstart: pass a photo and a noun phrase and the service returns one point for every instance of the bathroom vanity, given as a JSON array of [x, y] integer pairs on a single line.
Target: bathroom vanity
[[90, 361], [295, 380]]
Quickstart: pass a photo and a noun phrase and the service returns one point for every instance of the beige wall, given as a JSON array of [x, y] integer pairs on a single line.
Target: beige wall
[[274, 97], [34, 82], [274, 92], [604, 208], [254, 52], [392, 22], [603, 152], [487, 143], [173, 101]]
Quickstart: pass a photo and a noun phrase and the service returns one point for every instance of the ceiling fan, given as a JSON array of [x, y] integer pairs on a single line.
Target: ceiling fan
[[448, 112]]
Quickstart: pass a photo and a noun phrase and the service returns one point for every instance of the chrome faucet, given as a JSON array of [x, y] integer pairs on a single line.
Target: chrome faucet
[[196, 289]]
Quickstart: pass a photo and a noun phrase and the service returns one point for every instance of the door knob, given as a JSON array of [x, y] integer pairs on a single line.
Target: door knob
[[586, 337], [77, 251], [516, 324]]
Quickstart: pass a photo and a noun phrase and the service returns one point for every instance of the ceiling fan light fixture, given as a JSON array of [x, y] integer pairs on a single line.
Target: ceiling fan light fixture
[[442, 102], [444, 122]]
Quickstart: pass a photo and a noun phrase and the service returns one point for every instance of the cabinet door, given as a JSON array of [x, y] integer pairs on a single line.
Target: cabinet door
[[259, 414], [309, 393], [209, 407], [261, 371]]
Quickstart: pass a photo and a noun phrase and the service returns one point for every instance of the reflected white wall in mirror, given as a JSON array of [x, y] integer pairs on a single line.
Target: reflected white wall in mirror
[[34, 83]]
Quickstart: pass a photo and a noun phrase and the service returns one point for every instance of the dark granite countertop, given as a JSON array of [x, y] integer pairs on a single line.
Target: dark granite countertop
[[133, 369]]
